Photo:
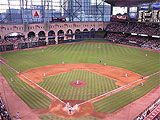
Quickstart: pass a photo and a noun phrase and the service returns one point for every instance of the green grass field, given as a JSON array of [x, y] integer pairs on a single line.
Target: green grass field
[[124, 57], [59, 85], [119, 56], [123, 98], [52, 117]]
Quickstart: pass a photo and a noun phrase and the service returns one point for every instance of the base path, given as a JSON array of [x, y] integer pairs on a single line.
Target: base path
[[115, 73], [58, 107]]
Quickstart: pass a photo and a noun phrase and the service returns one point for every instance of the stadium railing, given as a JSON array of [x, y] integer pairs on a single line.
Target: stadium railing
[[148, 110]]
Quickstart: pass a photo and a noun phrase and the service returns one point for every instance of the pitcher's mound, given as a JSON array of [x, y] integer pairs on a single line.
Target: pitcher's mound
[[80, 83]]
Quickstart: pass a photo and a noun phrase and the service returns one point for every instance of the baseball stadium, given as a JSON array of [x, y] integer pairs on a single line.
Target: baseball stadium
[[79, 60]]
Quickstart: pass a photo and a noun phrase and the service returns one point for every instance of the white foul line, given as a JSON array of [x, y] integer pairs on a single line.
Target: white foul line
[[105, 94], [34, 83], [118, 89]]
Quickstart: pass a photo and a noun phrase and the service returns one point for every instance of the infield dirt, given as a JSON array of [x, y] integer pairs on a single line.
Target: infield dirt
[[115, 73], [57, 107]]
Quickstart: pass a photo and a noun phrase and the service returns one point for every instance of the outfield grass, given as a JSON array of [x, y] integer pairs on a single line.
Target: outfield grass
[[119, 56], [59, 85], [53, 117], [124, 57]]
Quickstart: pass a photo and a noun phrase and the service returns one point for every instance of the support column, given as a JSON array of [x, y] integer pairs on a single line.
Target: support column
[[46, 40], [56, 39], [73, 37], [36, 35], [65, 37], [2, 37]]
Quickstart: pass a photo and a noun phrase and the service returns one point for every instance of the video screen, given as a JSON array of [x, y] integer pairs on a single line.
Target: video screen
[[156, 6], [119, 10], [133, 9], [133, 15]]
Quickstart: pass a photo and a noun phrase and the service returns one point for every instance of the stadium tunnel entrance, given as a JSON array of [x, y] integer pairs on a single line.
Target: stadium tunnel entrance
[[60, 36], [77, 34], [69, 34], [31, 36], [92, 33], [41, 36], [85, 33], [51, 37]]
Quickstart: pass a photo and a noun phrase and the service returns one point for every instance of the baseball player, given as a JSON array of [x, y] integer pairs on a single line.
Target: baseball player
[[126, 75]]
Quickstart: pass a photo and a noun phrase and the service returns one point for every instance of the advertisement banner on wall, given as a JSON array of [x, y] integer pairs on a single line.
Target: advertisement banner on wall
[[144, 7], [35, 14]]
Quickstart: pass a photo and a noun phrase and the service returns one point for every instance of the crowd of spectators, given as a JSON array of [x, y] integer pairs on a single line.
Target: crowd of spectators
[[148, 110], [3, 111], [134, 27], [154, 44], [115, 36], [15, 40], [147, 42]]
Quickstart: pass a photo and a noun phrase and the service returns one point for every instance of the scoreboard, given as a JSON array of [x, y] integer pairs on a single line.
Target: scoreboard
[[149, 13], [149, 16], [143, 13]]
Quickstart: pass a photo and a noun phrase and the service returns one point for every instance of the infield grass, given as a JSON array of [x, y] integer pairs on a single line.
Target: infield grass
[[96, 85]]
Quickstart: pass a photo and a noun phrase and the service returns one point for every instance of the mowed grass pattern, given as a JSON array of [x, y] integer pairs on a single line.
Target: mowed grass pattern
[[59, 85], [124, 57], [32, 97], [123, 98], [53, 117]]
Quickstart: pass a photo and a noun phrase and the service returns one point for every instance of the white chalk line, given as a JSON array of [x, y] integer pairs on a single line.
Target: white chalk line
[[118, 89], [105, 94], [34, 83]]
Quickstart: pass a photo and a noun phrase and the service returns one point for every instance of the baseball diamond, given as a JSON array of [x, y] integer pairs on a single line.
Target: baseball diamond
[[79, 59], [107, 89]]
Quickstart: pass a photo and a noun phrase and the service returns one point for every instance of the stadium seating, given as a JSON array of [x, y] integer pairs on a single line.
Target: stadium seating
[[134, 27], [3, 111]]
